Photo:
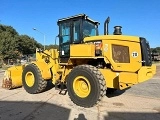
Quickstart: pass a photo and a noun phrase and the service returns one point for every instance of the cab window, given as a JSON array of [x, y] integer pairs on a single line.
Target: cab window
[[76, 31], [65, 32], [89, 29]]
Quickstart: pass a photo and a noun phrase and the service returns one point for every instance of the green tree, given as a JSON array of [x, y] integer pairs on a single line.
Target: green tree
[[155, 50], [27, 45], [52, 47], [13, 45], [8, 42]]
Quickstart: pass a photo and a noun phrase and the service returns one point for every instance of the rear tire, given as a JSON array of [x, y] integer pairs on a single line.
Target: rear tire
[[32, 79], [86, 85]]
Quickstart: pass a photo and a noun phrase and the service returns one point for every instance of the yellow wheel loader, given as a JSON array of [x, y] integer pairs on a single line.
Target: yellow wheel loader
[[87, 64]]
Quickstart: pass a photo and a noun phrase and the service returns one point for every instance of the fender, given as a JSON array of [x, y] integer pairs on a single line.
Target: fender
[[44, 68]]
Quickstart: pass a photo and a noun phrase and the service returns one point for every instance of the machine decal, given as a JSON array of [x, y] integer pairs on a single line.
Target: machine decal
[[134, 54], [106, 48]]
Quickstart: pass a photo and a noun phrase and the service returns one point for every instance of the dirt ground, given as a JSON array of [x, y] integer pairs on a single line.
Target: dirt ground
[[141, 102]]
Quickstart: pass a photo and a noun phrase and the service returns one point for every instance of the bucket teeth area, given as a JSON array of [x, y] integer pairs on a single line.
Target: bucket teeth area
[[13, 77], [7, 83]]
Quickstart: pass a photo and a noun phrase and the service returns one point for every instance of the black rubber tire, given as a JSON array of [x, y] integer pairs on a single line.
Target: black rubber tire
[[97, 83], [39, 84]]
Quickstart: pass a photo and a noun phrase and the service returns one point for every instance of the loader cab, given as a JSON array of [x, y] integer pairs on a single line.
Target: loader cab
[[72, 30]]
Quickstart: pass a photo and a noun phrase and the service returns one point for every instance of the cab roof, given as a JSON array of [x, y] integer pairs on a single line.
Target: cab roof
[[79, 16]]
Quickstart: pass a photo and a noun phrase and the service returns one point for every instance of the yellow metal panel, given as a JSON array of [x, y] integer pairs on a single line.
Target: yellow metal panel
[[123, 40], [122, 80], [87, 57], [127, 79], [53, 63], [113, 37], [15, 73], [65, 72], [146, 73], [135, 62], [82, 50], [110, 77]]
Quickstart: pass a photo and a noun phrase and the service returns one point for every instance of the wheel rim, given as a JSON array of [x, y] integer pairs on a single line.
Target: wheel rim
[[81, 86], [29, 78]]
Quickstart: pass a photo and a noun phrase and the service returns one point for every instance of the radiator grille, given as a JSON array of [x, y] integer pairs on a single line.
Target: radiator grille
[[120, 54]]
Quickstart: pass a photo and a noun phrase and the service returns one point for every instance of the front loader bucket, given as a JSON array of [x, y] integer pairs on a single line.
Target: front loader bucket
[[13, 77]]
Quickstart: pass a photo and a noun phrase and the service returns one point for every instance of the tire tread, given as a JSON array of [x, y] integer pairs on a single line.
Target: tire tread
[[101, 82]]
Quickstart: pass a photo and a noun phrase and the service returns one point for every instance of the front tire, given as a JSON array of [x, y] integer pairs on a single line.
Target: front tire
[[86, 85], [32, 79]]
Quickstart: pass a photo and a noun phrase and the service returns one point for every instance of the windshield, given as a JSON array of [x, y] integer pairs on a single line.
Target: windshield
[[89, 29]]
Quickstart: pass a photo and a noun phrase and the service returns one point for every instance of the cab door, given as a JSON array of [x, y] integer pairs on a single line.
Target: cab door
[[69, 33], [65, 40]]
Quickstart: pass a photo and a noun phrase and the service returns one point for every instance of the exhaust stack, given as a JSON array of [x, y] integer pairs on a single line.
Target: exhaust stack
[[117, 30], [106, 26]]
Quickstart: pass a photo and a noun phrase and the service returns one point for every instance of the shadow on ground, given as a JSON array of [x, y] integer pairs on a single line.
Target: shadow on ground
[[19, 110], [81, 116], [116, 93], [132, 116], [50, 85]]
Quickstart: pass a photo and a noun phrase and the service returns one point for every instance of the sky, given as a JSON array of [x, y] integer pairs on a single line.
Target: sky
[[137, 17]]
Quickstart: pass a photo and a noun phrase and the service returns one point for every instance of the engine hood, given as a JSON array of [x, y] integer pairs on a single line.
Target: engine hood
[[112, 37]]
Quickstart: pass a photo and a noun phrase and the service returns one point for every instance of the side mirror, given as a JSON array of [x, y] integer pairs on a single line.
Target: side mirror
[[56, 39]]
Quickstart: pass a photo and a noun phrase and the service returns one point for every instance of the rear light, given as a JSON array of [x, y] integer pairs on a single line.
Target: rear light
[[98, 45], [98, 48]]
